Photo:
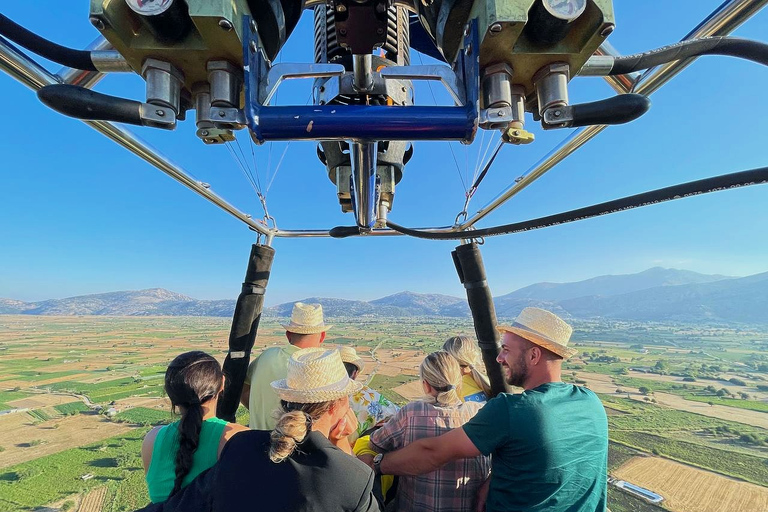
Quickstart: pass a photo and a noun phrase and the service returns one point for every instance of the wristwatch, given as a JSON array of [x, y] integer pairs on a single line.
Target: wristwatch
[[377, 463]]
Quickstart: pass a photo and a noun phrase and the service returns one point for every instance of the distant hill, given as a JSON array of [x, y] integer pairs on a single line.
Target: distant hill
[[656, 294], [742, 300], [151, 302], [612, 285]]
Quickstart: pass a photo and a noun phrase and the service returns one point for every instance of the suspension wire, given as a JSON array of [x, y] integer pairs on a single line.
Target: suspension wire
[[688, 189], [279, 163], [479, 179], [240, 148], [450, 146], [477, 161], [248, 177]]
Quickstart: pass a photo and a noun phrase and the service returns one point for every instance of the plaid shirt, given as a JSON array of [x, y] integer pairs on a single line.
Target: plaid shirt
[[452, 488]]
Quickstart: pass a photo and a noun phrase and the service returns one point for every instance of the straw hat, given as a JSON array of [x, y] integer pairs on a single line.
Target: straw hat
[[307, 319], [543, 328], [315, 375], [349, 355]]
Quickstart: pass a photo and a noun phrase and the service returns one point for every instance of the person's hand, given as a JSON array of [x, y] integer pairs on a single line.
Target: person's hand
[[367, 458], [482, 495]]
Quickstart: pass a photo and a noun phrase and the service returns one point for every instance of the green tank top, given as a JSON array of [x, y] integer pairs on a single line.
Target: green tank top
[[162, 467]]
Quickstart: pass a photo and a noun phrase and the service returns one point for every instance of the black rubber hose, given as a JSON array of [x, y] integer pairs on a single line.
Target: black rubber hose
[[618, 109], [729, 46], [78, 59], [692, 188], [81, 103]]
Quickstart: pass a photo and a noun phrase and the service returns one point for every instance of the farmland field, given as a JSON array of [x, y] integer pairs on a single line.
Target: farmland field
[[688, 489], [77, 395]]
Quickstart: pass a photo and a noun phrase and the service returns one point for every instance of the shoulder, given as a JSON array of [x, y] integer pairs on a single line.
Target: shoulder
[[149, 439], [246, 442], [148, 445], [230, 429]]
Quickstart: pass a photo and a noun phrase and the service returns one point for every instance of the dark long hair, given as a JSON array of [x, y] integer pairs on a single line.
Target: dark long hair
[[191, 379]]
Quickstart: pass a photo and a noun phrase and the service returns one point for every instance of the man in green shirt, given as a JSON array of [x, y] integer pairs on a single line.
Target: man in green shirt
[[549, 444], [306, 329]]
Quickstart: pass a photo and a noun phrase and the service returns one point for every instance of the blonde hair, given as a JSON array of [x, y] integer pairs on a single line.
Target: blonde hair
[[442, 372], [293, 426], [466, 352]]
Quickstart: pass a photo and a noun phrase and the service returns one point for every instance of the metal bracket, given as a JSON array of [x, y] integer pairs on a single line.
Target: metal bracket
[[558, 117], [496, 118], [286, 71], [440, 73], [358, 122]]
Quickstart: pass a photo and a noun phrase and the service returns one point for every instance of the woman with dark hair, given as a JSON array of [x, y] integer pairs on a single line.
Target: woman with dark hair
[[175, 454], [303, 465]]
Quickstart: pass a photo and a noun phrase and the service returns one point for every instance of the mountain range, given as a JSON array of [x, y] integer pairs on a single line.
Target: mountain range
[[657, 294]]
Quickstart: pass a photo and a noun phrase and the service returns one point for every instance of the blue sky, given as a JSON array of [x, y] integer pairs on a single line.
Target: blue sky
[[80, 215]]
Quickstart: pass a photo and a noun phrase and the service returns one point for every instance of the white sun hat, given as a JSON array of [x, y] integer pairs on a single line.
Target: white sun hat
[[307, 319], [349, 355], [315, 375], [543, 328]]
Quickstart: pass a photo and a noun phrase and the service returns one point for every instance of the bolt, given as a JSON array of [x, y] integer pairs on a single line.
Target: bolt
[[211, 141], [500, 113], [160, 113], [381, 8], [322, 88], [379, 31], [516, 133], [225, 24], [204, 133], [469, 50], [496, 28], [607, 30], [222, 113], [558, 113], [342, 31], [253, 26], [97, 22], [466, 30], [341, 8], [253, 46]]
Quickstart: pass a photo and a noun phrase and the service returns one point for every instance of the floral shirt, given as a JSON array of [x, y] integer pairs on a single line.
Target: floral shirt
[[370, 408]]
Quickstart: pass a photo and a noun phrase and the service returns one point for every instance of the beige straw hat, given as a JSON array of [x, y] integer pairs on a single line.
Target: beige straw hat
[[543, 328], [307, 319], [315, 375], [349, 355]]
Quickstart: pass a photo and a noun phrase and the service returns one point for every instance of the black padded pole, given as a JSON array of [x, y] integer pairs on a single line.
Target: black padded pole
[[245, 323], [469, 265]]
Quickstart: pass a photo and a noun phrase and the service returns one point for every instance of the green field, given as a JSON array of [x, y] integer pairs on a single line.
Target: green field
[[126, 358]]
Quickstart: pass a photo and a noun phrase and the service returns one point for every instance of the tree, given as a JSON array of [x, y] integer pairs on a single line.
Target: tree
[[644, 390], [743, 395], [723, 392]]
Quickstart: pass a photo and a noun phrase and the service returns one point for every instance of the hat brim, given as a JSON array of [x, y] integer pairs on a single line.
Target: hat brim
[[306, 329], [314, 396], [538, 339], [359, 363]]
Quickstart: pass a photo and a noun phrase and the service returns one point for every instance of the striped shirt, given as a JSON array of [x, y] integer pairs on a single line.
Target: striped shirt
[[452, 488]]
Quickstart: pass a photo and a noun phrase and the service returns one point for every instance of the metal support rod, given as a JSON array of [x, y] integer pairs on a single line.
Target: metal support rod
[[362, 72], [724, 20], [620, 83], [34, 76], [81, 77], [364, 182]]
